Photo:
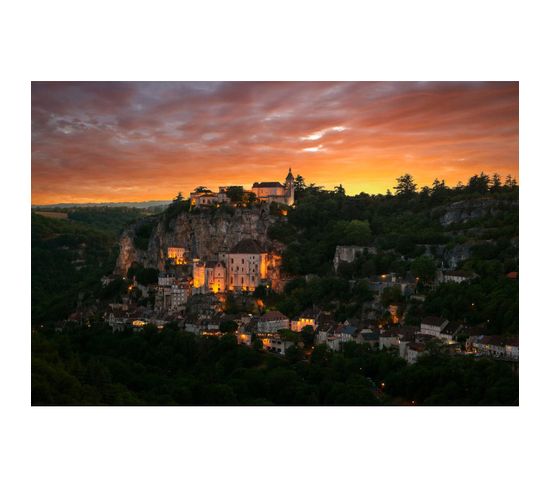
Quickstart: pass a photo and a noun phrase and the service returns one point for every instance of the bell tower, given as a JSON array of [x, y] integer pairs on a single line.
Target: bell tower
[[289, 188]]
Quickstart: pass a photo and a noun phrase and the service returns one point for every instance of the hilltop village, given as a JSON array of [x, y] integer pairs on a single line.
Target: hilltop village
[[229, 292]]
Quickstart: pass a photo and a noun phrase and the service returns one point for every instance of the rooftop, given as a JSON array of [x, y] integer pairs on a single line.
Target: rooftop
[[432, 320], [247, 246], [272, 315], [267, 184]]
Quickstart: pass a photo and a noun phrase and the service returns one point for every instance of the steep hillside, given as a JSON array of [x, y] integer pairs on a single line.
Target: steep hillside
[[202, 232]]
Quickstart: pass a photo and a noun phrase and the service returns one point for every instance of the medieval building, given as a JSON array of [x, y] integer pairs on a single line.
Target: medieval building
[[243, 268], [265, 191]]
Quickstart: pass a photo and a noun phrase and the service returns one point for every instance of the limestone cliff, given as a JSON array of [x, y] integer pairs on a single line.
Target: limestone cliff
[[465, 211], [203, 233]]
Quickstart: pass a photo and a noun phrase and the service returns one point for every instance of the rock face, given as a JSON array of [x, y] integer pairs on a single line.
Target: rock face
[[465, 211], [202, 233]]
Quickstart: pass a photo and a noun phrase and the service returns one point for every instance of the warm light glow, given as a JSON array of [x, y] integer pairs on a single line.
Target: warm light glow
[[177, 254], [360, 134]]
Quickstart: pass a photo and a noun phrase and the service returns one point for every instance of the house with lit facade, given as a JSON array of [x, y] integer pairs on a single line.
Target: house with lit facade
[[272, 322], [176, 255], [265, 191], [204, 196], [243, 268], [304, 319]]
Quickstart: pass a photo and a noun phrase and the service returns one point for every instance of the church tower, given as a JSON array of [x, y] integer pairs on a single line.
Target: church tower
[[289, 188]]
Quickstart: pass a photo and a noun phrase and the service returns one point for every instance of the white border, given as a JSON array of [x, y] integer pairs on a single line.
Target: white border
[[239, 40]]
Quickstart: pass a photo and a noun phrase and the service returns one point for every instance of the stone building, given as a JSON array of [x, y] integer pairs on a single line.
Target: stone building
[[265, 191], [346, 254], [243, 268], [273, 191], [246, 266]]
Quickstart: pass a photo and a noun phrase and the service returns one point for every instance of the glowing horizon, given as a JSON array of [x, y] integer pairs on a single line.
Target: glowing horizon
[[129, 142]]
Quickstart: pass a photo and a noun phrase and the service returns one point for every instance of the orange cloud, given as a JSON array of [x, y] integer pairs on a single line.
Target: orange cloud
[[144, 141]]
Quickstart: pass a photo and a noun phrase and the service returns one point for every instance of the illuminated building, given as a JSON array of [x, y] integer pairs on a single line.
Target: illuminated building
[[273, 191], [276, 344], [272, 321], [208, 197], [176, 254], [241, 269], [265, 191], [303, 320], [246, 266]]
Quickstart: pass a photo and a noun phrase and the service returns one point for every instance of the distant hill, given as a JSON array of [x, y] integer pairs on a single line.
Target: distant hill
[[150, 203]]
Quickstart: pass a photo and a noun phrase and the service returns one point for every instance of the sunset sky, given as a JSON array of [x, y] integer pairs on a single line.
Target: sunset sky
[[99, 142]]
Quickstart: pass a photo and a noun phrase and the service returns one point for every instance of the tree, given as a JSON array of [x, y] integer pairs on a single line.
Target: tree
[[200, 189], [260, 292], [496, 184], [424, 268], [405, 185], [294, 354], [236, 194], [355, 232], [307, 335], [299, 186], [340, 190], [439, 185], [228, 326], [479, 183], [249, 198], [320, 355], [391, 296], [510, 182]]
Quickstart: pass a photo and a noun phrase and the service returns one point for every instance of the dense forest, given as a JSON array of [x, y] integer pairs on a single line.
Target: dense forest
[[93, 366], [69, 256], [410, 236]]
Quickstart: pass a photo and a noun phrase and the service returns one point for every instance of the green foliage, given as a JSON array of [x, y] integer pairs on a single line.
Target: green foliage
[[493, 301], [144, 276], [307, 335], [96, 367], [236, 194], [143, 234], [355, 232], [67, 260], [228, 326], [177, 206], [391, 296], [424, 268], [111, 219], [442, 380], [405, 185]]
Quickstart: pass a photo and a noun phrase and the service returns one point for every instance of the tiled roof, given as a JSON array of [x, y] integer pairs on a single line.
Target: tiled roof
[[436, 321], [267, 184], [272, 315], [247, 246], [451, 328]]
